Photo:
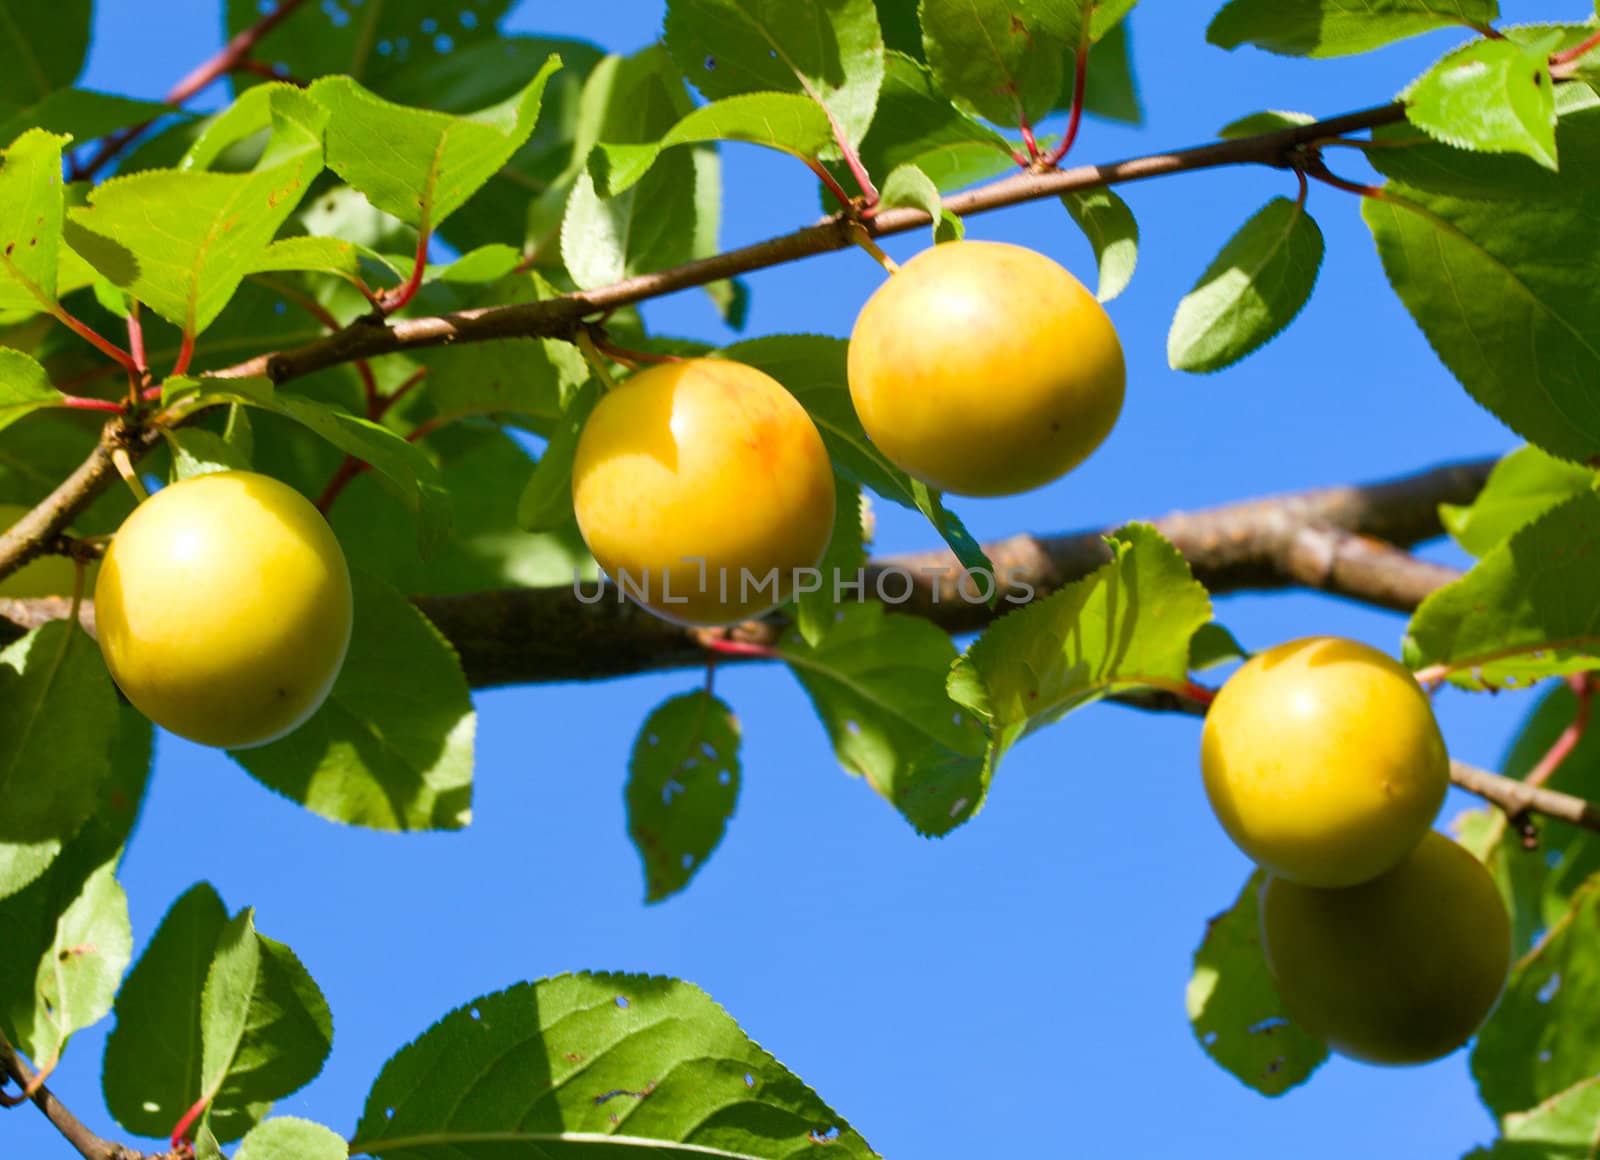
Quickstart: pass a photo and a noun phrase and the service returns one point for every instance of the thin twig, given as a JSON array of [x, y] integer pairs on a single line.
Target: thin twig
[[89, 1145]]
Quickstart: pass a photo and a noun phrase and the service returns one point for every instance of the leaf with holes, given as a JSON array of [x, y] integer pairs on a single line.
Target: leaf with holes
[[877, 680], [1525, 612], [182, 241], [787, 122], [382, 754], [1109, 224], [1565, 1125], [24, 387], [416, 164], [601, 1063], [1234, 1007], [152, 1069], [1505, 293], [842, 563], [1479, 97], [1252, 290], [1545, 1034], [58, 730], [44, 46], [1127, 625], [909, 186], [265, 1031], [829, 50], [1002, 60], [31, 216], [1523, 486], [1340, 27], [683, 784]]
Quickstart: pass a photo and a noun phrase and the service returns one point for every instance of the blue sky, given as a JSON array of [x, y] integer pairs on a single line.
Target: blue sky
[[1016, 989]]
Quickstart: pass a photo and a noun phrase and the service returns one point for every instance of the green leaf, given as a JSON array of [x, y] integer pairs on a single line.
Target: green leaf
[[1339, 27], [1479, 97], [30, 220], [842, 563], [1525, 612], [917, 125], [1002, 60], [1545, 1034], [419, 165], [382, 754], [1213, 645], [342, 259], [59, 724], [1563, 1127], [1267, 121], [1250, 292], [1109, 225], [601, 1063], [830, 50], [44, 46], [877, 680], [650, 227], [181, 241], [1523, 486], [152, 1069], [1234, 1007], [265, 1030], [24, 387], [788, 122], [546, 502], [196, 451], [82, 114], [1110, 91], [812, 368], [286, 1138], [909, 186], [683, 784], [485, 264], [1127, 625], [386, 46], [1504, 293]]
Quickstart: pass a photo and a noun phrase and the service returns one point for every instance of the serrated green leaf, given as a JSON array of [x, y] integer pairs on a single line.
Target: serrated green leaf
[[152, 1070], [1523, 486], [1525, 612], [788, 122], [417, 164], [546, 502], [1480, 97], [651, 226], [909, 186], [842, 563], [1252, 290], [917, 125], [1564, 1127], [1109, 225], [1127, 625], [626, 1064], [877, 680], [829, 50], [82, 114], [44, 45], [968, 552], [31, 214], [24, 387], [683, 784], [1545, 1034], [1504, 293], [265, 1030], [342, 259], [59, 722], [1321, 28], [1002, 60], [1266, 121], [287, 1138], [380, 754], [1234, 1009], [196, 451], [182, 241]]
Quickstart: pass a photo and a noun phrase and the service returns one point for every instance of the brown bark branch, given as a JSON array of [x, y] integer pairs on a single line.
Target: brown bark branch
[[1517, 798], [89, 1145]]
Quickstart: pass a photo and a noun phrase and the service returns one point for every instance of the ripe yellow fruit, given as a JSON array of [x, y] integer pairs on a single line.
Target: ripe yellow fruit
[[44, 576], [701, 486], [1323, 761], [1402, 969], [223, 609], [983, 368]]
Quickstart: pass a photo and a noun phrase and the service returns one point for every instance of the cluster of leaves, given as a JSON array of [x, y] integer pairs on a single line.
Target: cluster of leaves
[[541, 167]]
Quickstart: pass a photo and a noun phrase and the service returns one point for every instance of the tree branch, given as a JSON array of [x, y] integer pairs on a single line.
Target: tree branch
[[1517, 798], [89, 1145]]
